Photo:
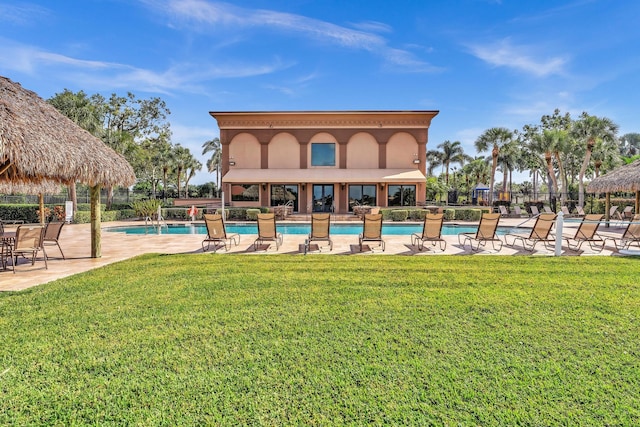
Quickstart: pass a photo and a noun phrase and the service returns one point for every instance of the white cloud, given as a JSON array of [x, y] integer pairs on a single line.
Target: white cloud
[[21, 14], [211, 16], [100, 74], [504, 54]]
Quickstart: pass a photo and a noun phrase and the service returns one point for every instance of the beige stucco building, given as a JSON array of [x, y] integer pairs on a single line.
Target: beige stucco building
[[324, 161]]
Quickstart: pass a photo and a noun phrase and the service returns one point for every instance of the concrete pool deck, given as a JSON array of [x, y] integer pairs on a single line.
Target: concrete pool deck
[[75, 242]]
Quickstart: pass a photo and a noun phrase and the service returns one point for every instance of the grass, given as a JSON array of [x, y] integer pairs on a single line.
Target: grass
[[327, 340]]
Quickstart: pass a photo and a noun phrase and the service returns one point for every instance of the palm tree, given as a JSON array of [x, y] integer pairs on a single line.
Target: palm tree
[[589, 130], [451, 152], [434, 159], [214, 147], [495, 138], [192, 167], [605, 153], [181, 159], [630, 144]]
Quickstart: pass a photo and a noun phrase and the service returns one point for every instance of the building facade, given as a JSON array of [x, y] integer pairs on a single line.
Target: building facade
[[324, 161]]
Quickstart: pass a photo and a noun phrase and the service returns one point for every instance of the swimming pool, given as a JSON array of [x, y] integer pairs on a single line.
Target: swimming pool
[[302, 228]]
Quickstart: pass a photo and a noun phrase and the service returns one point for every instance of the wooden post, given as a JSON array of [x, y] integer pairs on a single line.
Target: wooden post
[[637, 211], [41, 207], [94, 193], [607, 206]]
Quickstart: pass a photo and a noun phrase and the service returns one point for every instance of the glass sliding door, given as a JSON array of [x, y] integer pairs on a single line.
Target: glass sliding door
[[322, 197], [282, 194], [362, 195]]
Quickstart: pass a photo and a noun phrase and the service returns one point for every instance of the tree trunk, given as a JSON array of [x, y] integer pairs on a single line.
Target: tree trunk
[[494, 166], [583, 171], [95, 221], [563, 177], [109, 197], [73, 196]]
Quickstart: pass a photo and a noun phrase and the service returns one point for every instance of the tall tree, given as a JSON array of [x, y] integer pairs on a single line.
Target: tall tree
[[494, 138], [434, 159], [193, 167], [80, 109], [589, 130], [181, 159], [214, 163], [630, 144], [451, 152]]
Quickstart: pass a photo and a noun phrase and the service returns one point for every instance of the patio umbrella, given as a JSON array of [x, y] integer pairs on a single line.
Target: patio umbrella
[[38, 144], [623, 178]]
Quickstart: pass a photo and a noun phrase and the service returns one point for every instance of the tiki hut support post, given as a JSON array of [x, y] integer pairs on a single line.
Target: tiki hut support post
[[94, 193], [607, 207], [41, 207], [637, 202]]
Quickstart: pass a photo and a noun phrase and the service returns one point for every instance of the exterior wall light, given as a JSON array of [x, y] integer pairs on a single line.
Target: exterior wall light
[[232, 163]]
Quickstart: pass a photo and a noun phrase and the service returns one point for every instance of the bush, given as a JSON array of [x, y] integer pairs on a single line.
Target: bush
[[417, 214], [449, 214], [470, 214], [27, 213], [84, 217], [252, 214], [399, 214]]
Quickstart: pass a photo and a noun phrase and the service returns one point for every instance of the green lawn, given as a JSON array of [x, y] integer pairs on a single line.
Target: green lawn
[[327, 340]]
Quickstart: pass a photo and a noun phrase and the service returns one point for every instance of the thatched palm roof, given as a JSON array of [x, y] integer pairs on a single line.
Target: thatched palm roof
[[43, 187], [39, 143], [623, 178]]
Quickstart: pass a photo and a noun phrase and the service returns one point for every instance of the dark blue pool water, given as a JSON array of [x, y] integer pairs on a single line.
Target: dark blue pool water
[[251, 228]]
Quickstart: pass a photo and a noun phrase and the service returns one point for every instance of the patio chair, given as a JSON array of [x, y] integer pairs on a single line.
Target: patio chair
[[504, 212], [431, 232], [580, 211], [267, 231], [534, 210], [630, 235], [52, 235], [587, 232], [518, 212], [547, 209], [320, 230], [627, 213], [28, 241], [486, 233], [217, 233], [565, 211], [371, 230], [614, 213], [541, 232]]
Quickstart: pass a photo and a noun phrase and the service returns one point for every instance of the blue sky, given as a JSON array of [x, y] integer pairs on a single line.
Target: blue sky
[[481, 63]]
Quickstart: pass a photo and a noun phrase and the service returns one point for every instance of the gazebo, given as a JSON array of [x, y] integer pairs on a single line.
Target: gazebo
[[623, 178], [40, 146]]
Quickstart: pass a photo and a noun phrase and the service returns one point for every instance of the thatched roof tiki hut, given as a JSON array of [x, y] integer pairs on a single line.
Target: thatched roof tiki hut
[[623, 178], [38, 144]]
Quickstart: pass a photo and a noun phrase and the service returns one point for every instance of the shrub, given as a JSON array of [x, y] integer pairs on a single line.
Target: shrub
[[470, 214], [84, 217], [399, 214], [449, 214], [252, 214], [27, 213]]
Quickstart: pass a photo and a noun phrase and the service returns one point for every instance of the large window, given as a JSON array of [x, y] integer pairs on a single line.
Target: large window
[[402, 195], [323, 154], [362, 195], [282, 194], [245, 192]]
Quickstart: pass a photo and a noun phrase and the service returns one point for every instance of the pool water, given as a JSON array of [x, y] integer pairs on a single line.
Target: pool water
[[251, 228]]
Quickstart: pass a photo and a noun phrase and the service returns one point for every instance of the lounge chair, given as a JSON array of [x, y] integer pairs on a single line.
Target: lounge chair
[[587, 232], [504, 212], [28, 240], [565, 211], [371, 230], [486, 233], [267, 231], [541, 232], [627, 213], [614, 213], [518, 212], [534, 210], [547, 209], [320, 230], [217, 233], [580, 211], [431, 232], [52, 235], [630, 235]]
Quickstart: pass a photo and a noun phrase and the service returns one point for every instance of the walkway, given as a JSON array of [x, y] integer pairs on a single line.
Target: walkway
[[75, 241]]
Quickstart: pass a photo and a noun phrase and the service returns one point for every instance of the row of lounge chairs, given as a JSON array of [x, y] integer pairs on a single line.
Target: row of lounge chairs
[[486, 232]]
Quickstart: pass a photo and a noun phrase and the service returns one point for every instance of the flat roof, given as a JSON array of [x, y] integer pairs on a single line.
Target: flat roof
[[322, 176]]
